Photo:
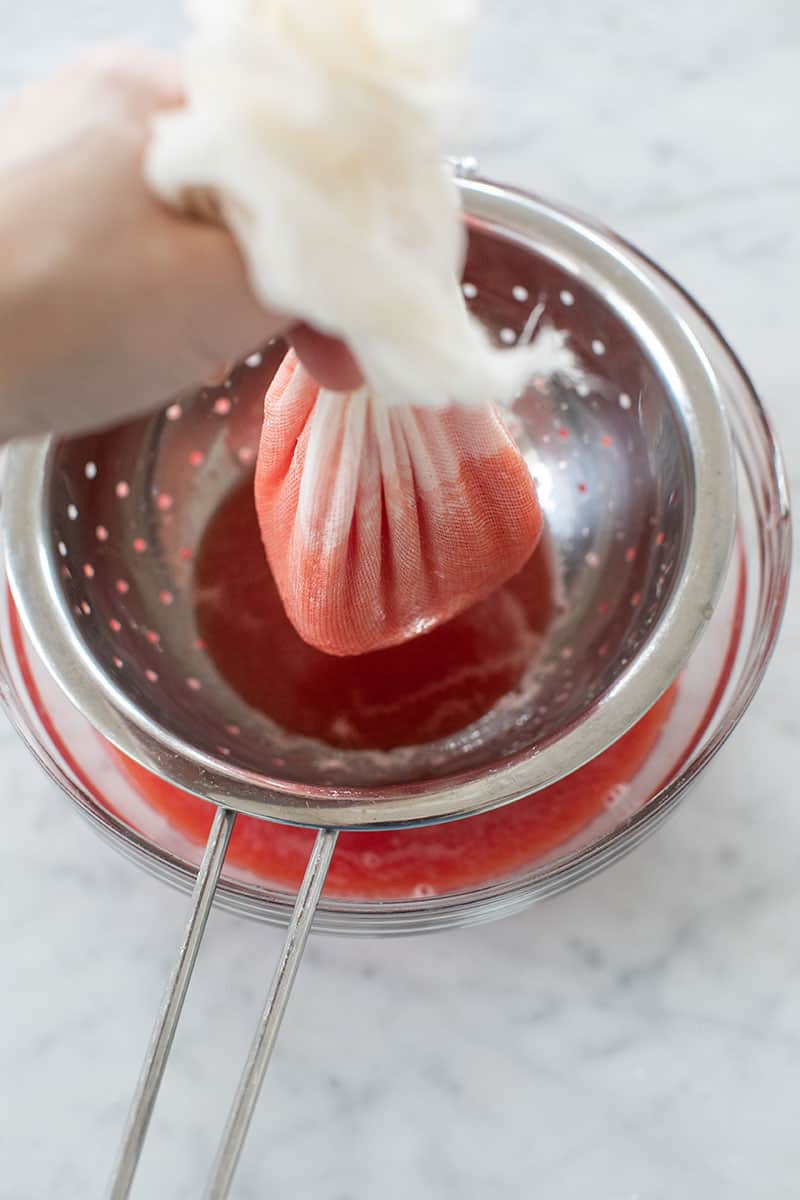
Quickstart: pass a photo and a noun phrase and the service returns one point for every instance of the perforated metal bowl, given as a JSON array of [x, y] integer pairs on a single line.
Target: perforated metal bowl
[[635, 474]]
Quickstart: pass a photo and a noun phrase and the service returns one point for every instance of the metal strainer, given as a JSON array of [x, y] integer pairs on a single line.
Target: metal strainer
[[634, 473]]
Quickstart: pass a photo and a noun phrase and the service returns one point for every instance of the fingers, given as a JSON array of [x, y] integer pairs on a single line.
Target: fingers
[[328, 359], [207, 282], [206, 279]]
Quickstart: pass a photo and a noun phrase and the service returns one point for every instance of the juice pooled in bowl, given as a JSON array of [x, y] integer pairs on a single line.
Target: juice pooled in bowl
[[406, 695]]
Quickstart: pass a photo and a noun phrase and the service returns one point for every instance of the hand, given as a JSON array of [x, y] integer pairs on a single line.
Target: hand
[[109, 303]]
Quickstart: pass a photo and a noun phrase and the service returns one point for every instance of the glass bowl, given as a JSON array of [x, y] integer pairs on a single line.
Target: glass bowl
[[708, 700]]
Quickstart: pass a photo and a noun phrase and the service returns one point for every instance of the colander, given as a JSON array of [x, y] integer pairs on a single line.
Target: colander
[[634, 469]]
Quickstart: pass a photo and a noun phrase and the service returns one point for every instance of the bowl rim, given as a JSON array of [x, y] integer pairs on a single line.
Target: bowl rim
[[640, 289]]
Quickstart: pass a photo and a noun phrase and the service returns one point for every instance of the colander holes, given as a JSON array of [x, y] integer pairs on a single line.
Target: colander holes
[[117, 661], [519, 293], [508, 336], [233, 730], [598, 347], [66, 573], [253, 360], [625, 401], [123, 490], [86, 608], [114, 625], [563, 433], [88, 570], [90, 470], [582, 388], [246, 454], [630, 554], [164, 502], [567, 299], [224, 751], [185, 553], [660, 538], [123, 587], [72, 512], [174, 412], [151, 675], [196, 458], [101, 533], [193, 684], [469, 290], [62, 549], [222, 406], [592, 559], [582, 488], [139, 545], [603, 607], [152, 637], [166, 597], [566, 653], [606, 441], [636, 599], [199, 644]]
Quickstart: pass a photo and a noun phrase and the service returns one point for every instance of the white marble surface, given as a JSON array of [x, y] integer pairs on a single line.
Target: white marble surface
[[638, 1039]]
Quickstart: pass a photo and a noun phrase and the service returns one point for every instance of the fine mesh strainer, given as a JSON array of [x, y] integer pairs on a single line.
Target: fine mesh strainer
[[634, 472]]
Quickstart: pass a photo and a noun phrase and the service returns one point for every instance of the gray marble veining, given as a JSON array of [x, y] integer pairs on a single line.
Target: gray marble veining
[[638, 1039]]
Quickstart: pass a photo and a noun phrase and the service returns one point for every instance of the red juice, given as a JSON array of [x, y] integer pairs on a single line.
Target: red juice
[[405, 695]]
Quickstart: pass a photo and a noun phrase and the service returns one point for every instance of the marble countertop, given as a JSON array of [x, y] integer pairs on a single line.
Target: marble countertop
[[636, 1039]]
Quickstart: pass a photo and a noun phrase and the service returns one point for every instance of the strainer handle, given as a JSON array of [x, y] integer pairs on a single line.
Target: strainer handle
[[171, 1006], [269, 1023]]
